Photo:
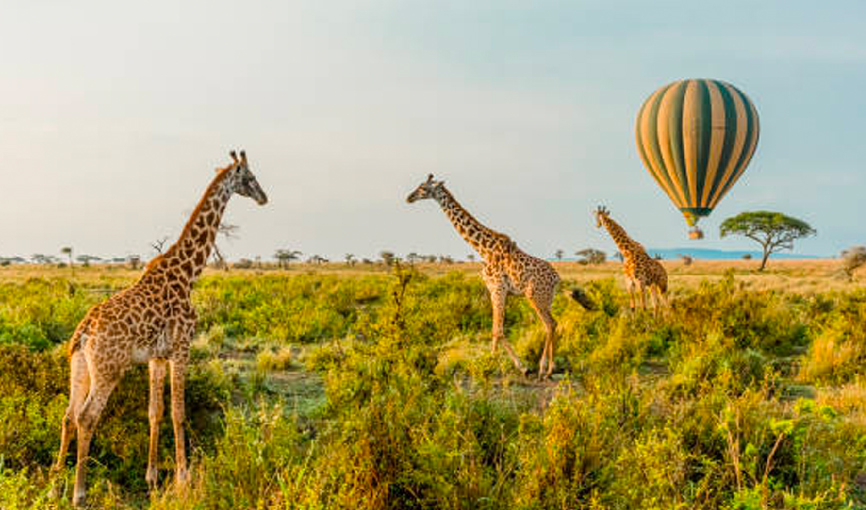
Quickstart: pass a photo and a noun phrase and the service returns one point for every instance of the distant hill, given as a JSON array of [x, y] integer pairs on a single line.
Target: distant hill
[[712, 254]]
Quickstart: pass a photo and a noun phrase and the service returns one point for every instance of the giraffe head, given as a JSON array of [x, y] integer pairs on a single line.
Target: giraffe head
[[427, 189], [600, 214], [243, 182]]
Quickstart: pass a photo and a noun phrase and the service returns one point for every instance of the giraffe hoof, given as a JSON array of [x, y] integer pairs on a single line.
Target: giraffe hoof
[[56, 492], [151, 477], [182, 478]]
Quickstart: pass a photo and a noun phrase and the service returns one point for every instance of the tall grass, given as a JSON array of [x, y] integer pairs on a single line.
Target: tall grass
[[737, 397]]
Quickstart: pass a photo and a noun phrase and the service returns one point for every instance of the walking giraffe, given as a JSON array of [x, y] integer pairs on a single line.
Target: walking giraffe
[[642, 272], [150, 322], [507, 270]]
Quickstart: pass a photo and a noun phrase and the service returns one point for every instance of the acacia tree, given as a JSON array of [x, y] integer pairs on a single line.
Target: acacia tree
[[134, 261], [228, 231], [852, 258], [284, 256], [159, 244], [67, 250], [559, 253], [87, 259], [591, 256], [387, 257], [774, 231]]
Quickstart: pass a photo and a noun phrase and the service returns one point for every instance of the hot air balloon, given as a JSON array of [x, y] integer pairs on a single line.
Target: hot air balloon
[[696, 138]]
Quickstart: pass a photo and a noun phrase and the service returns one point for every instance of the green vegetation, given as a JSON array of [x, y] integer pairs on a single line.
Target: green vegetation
[[378, 390]]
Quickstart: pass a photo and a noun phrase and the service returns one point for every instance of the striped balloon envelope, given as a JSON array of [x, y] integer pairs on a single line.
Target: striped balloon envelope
[[696, 138]]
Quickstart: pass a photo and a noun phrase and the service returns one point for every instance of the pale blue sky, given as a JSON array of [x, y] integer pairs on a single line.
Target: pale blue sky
[[113, 116]]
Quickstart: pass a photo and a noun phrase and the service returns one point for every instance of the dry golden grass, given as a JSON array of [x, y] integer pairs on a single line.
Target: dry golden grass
[[800, 276]]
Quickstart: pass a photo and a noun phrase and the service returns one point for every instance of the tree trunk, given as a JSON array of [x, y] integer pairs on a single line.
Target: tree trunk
[[764, 259]]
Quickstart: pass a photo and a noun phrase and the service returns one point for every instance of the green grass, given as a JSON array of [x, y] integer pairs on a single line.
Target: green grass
[[378, 390]]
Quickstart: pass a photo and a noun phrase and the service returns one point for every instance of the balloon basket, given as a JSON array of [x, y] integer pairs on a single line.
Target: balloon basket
[[696, 234]]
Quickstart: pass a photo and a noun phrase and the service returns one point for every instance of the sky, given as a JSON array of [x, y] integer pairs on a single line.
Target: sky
[[113, 116]]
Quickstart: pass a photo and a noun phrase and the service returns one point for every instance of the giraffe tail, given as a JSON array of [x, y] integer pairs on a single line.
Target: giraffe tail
[[580, 296], [75, 341]]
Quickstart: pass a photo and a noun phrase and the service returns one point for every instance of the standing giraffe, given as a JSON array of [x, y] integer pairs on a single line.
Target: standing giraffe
[[642, 272], [150, 322], [507, 270]]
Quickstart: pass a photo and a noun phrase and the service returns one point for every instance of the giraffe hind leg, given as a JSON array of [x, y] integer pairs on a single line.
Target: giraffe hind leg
[[541, 304], [79, 385], [86, 420], [654, 299]]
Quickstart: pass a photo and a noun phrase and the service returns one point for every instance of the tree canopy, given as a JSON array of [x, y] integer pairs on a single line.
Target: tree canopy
[[774, 231]]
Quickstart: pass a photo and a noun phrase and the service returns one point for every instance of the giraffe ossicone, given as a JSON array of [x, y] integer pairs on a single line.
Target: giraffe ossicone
[[152, 321]]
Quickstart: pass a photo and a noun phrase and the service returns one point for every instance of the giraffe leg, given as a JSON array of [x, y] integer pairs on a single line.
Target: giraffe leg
[[541, 305], [641, 290], [651, 298], [549, 343], [542, 362], [497, 302], [629, 287], [154, 413], [663, 302], [86, 420], [178, 380], [497, 299], [79, 385]]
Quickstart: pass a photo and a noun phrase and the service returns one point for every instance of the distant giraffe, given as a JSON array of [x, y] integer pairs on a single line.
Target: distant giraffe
[[507, 270], [642, 272], [150, 322]]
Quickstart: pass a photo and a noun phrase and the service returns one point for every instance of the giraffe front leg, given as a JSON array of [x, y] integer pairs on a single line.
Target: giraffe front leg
[[154, 413], [497, 297], [497, 301], [178, 415], [629, 287]]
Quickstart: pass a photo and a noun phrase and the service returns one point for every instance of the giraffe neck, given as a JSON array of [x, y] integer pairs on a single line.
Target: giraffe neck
[[625, 244], [191, 251], [481, 238]]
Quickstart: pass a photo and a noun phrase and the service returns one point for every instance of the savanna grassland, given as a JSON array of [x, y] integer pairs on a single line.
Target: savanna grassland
[[374, 387]]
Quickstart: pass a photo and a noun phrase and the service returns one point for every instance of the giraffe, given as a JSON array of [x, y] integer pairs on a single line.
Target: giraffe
[[506, 270], [642, 272], [150, 322]]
